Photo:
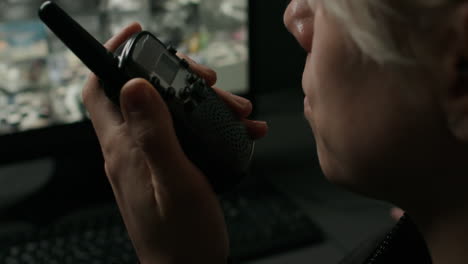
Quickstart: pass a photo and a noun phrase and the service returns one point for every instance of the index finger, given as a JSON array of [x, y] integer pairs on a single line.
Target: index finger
[[113, 43]]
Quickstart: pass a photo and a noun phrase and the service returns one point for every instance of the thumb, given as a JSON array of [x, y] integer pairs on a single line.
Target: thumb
[[149, 123]]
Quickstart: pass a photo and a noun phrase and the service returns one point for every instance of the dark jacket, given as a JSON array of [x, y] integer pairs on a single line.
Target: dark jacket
[[402, 244]]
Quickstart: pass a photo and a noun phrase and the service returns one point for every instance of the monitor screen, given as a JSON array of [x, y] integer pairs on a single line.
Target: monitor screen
[[42, 81]]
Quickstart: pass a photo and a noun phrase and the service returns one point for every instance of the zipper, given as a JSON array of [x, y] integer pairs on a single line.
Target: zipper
[[387, 243]]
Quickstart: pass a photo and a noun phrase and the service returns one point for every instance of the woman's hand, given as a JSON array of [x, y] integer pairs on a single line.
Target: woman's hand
[[168, 206]]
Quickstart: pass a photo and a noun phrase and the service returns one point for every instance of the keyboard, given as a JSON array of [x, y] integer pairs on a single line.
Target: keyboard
[[264, 221], [261, 221]]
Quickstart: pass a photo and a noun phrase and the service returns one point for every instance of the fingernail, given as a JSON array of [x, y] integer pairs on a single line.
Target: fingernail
[[241, 101], [260, 123]]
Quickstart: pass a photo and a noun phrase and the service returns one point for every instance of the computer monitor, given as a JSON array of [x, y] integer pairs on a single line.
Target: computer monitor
[[41, 112]]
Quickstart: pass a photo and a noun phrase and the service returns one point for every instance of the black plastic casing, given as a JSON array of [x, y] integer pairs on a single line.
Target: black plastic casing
[[210, 133]]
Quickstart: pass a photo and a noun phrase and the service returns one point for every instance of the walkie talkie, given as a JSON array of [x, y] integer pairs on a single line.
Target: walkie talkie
[[211, 135]]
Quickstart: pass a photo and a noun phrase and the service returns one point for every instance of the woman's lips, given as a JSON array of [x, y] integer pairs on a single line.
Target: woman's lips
[[307, 109], [308, 113]]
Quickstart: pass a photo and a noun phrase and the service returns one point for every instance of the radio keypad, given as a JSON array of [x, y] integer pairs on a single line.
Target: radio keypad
[[171, 49], [184, 63], [170, 93]]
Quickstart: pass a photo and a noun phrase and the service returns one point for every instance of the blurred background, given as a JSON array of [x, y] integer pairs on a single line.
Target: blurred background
[[42, 80]]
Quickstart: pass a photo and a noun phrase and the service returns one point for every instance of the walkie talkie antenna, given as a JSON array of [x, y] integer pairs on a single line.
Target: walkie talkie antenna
[[92, 53]]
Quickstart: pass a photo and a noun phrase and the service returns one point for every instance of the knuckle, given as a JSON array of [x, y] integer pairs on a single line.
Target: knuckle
[[108, 146], [112, 162], [111, 170], [213, 74], [87, 91], [115, 152], [86, 95], [113, 165]]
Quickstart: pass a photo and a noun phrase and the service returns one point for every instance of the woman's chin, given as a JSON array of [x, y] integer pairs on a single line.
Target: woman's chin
[[331, 172], [336, 173], [329, 166], [357, 182]]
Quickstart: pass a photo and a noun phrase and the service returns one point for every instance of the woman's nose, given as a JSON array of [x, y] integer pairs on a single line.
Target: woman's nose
[[299, 20]]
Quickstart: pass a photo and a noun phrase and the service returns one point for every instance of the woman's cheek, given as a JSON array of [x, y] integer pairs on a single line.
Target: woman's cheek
[[327, 110]]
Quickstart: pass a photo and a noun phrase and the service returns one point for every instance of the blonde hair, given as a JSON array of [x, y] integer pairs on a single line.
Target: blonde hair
[[371, 25]]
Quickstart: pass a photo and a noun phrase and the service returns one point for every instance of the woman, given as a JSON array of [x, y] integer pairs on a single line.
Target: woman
[[386, 97]]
